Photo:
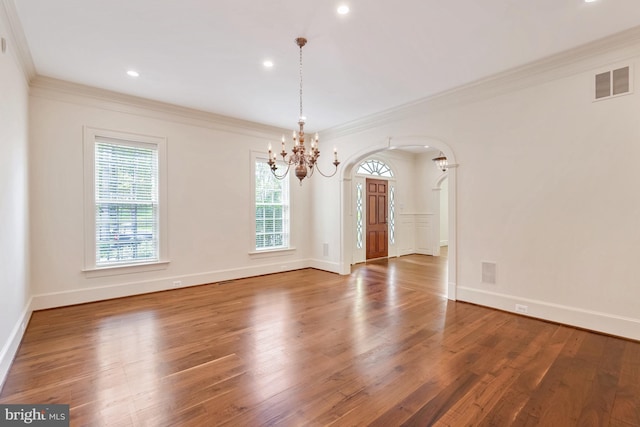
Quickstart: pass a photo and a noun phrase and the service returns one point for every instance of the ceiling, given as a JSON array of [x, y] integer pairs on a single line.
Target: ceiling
[[208, 54]]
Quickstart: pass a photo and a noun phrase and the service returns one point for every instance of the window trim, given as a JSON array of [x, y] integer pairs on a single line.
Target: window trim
[[89, 142], [253, 250]]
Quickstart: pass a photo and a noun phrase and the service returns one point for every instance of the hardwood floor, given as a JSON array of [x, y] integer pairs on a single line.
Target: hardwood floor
[[379, 347]]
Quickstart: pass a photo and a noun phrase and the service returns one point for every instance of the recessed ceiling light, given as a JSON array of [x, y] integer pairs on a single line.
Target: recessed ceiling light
[[426, 146], [268, 64], [589, 1], [343, 10], [133, 73]]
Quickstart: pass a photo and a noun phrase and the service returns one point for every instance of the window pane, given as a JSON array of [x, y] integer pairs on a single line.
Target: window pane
[[375, 167], [268, 225], [392, 215]]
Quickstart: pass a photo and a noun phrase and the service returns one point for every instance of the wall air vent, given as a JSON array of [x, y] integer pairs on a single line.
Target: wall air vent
[[489, 272], [613, 83]]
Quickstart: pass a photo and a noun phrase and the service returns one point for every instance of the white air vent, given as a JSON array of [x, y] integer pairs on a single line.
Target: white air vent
[[603, 85], [613, 83], [489, 273], [620, 80]]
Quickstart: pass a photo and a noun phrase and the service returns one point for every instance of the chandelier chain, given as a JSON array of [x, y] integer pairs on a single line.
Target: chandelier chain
[[301, 81]]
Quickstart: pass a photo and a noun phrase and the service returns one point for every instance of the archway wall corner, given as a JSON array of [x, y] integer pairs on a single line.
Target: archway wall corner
[[398, 141], [413, 140]]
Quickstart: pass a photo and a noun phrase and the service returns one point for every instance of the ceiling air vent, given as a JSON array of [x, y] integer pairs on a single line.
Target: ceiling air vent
[[612, 83]]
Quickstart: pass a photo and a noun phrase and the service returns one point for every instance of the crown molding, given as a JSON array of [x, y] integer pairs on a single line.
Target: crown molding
[[616, 48], [61, 90], [16, 35]]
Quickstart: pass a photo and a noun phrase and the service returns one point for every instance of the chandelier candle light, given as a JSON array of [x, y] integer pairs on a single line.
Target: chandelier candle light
[[304, 162]]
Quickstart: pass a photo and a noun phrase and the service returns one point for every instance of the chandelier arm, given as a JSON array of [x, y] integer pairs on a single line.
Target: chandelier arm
[[336, 163], [284, 175]]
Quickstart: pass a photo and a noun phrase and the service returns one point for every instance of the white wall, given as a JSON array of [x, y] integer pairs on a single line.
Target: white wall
[[427, 174], [209, 189], [444, 212], [14, 200], [546, 187]]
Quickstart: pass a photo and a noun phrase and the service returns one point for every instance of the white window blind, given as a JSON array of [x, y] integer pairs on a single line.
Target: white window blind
[[126, 202], [272, 208]]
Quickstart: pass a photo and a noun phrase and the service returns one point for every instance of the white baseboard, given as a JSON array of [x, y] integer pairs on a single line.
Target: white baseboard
[[607, 323], [92, 294], [332, 267], [10, 348], [444, 243], [423, 251]]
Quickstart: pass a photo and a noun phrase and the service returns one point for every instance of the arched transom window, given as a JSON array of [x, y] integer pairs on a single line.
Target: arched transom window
[[375, 167]]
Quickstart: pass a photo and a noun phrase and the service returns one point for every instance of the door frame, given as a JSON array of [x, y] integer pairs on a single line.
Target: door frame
[[358, 255]]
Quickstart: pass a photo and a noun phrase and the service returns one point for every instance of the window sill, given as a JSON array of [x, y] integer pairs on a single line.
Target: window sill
[[267, 253], [114, 270]]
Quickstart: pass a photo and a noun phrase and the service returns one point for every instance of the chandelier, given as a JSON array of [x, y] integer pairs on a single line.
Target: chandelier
[[305, 162], [441, 162]]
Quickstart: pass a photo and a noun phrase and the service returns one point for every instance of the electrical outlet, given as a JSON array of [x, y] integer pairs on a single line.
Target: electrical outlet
[[523, 309], [177, 283]]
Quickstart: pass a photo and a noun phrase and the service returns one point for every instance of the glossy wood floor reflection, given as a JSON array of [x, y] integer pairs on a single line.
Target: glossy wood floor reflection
[[310, 348]]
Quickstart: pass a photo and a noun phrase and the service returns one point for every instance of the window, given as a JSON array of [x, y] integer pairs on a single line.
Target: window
[[375, 167], [271, 208], [359, 225], [123, 192], [392, 214]]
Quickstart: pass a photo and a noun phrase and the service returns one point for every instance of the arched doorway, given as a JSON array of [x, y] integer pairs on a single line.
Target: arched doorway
[[347, 234]]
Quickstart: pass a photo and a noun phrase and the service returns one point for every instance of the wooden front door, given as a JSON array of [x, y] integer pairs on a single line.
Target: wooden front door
[[377, 230]]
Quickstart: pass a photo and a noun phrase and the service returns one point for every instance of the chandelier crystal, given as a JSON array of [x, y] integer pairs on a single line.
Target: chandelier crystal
[[305, 162]]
